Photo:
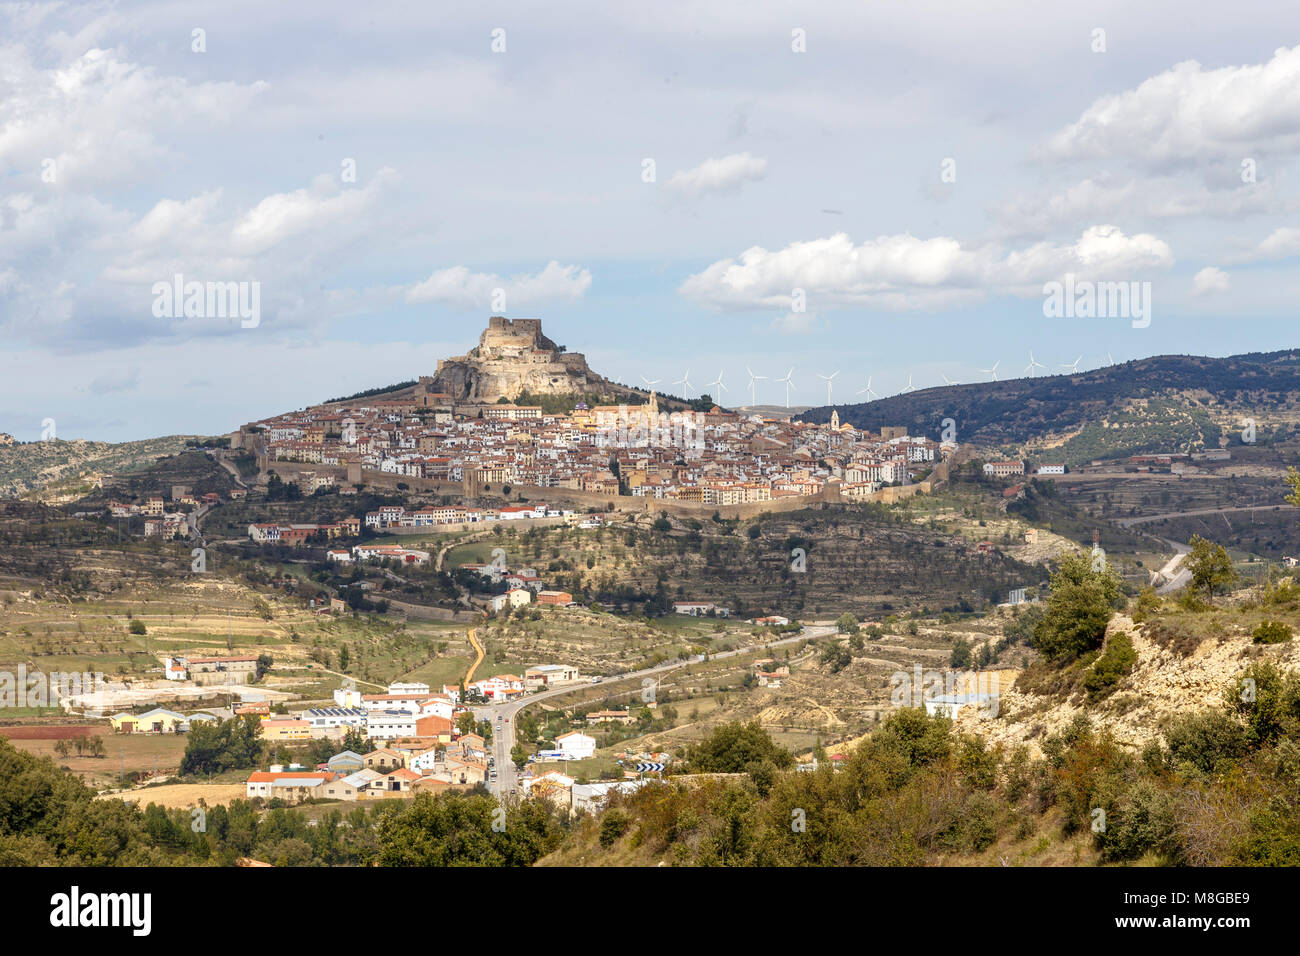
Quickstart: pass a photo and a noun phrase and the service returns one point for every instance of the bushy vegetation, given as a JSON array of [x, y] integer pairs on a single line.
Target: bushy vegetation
[[1110, 668], [1081, 604], [1219, 790], [226, 745], [1272, 632]]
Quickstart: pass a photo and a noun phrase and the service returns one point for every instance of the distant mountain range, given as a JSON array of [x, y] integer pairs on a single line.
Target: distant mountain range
[[1164, 403]]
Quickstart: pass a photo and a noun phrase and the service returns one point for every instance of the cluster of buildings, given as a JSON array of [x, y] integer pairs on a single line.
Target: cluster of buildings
[[1011, 469], [158, 520], [523, 586], [396, 518], [211, 670], [403, 767], [716, 457]]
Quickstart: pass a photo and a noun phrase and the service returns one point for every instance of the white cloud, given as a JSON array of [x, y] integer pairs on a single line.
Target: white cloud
[[1154, 197], [101, 118], [904, 272], [98, 289], [1281, 243], [1189, 114], [718, 175], [1210, 280], [459, 286]]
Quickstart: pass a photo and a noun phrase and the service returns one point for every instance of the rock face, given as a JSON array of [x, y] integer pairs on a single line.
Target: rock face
[[512, 357], [1163, 685]]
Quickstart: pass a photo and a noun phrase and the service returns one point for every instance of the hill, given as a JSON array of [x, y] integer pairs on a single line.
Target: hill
[[1160, 404], [515, 362], [65, 470]]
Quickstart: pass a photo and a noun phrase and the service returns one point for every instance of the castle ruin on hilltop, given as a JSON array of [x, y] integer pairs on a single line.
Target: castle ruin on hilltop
[[512, 356]]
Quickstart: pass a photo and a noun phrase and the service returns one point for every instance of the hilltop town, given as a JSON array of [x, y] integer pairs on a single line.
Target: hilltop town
[[458, 440]]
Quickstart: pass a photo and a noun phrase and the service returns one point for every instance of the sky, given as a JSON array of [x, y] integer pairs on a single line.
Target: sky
[[887, 192]]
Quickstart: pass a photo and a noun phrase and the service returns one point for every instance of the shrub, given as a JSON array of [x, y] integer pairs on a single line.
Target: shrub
[[1147, 604], [732, 748], [612, 826], [1206, 741], [1142, 820], [1112, 667], [1079, 608], [1272, 632]]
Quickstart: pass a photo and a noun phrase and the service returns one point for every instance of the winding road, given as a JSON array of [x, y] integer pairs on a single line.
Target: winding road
[[502, 716]]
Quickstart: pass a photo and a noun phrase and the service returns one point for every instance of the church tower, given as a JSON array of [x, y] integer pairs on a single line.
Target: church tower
[[835, 420]]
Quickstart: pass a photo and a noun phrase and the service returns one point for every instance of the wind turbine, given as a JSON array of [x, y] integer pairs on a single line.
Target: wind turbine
[[910, 387], [869, 390], [1033, 364], [945, 379], [788, 385], [828, 379], [1109, 359], [1073, 366], [651, 382], [753, 386], [993, 372], [685, 380], [721, 388]]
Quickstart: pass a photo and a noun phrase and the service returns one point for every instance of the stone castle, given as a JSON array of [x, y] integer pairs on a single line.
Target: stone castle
[[512, 357]]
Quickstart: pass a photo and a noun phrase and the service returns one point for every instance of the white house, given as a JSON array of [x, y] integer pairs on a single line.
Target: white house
[[437, 707], [425, 761], [323, 718], [390, 724], [576, 745], [415, 687], [516, 597]]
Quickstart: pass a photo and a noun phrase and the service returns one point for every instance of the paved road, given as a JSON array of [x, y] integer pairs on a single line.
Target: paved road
[[503, 737], [1173, 573], [1129, 522]]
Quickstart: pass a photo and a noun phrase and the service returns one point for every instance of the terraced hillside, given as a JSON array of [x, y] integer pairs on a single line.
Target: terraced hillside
[[1160, 404], [65, 470], [865, 559]]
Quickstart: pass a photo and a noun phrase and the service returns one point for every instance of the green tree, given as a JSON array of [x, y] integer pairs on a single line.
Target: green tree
[[847, 624], [1081, 604], [1267, 698], [836, 656], [467, 830], [1210, 566], [961, 654], [225, 745], [733, 747]]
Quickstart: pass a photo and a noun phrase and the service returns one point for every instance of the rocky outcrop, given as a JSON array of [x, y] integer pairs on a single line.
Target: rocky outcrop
[[513, 357], [1164, 684]]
